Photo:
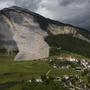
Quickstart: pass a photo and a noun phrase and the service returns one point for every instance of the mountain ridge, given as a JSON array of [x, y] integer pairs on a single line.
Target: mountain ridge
[[28, 30], [33, 13]]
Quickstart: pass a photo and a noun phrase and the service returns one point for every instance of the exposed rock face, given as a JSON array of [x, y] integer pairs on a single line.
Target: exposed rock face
[[26, 31], [27, 35], [56, 30]]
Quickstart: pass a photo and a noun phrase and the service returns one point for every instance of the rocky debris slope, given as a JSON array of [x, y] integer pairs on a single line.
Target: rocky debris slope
[[20, 27], [25, 30]]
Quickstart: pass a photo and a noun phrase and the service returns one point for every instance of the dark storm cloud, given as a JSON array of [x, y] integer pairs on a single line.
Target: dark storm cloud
[[80, 13], [76, 12], [29, 4], [6, 3], [65, 2]]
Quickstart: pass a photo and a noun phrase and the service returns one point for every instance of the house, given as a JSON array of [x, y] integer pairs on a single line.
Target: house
[[88, 66], [66, 77], [54, 66], [72, 59], [39, 80], [78, 68], [51, 60], [84, 63], [30, 81]]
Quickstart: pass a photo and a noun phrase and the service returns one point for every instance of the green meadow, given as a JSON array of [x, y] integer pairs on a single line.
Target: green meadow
[[13, 73]]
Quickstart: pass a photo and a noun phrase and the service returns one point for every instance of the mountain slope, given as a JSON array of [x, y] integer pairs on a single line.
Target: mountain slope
[[26, 31], [68, 43]]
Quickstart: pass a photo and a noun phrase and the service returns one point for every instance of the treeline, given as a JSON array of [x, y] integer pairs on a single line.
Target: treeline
[[68, 43], [5, 51]]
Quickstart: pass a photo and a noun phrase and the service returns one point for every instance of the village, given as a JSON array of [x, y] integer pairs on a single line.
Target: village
[[85, 64], [72, 82]]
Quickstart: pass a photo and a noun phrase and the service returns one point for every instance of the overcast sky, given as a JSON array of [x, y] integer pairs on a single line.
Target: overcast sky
[[76, 12]]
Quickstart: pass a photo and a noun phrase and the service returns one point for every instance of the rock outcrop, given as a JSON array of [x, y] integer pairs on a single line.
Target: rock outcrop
[[26, 31]]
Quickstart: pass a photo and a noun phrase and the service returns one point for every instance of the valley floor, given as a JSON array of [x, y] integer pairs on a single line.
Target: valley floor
[[13, 75]]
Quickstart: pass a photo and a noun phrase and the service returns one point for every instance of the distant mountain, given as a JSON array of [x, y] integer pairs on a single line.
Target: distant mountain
[[33, 35]]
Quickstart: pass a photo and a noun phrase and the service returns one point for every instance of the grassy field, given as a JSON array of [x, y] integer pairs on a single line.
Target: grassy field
[[11, 70], [12, 73]]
